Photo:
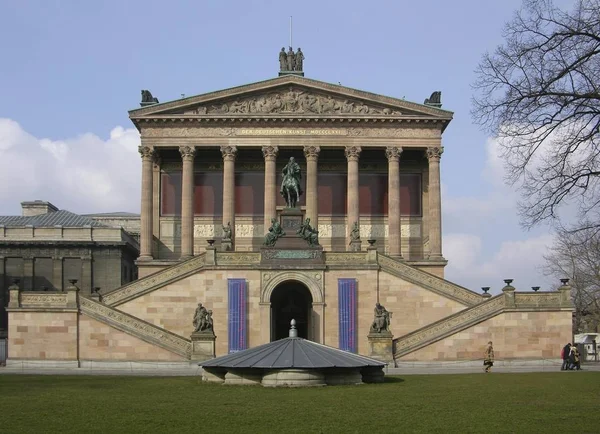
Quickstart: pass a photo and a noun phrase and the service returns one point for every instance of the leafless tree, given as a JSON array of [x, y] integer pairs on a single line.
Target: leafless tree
[[577, 255], [539, 94]]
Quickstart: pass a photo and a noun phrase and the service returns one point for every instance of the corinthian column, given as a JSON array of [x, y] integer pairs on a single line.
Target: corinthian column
[[229, 153], [147, 153], [312, 200], [352, 154], [435, 203], [270, 154], [394, 234], [187, 201]]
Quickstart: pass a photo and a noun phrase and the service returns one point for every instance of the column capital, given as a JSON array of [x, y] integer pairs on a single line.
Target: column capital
[[393, 153], [434, 153], [269, 152], [352, 152], [187, 152], [312, 152], [147, 152], [229, 153]]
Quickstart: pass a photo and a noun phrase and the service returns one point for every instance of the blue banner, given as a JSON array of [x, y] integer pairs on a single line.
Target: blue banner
[[347, 311], [237, 318]]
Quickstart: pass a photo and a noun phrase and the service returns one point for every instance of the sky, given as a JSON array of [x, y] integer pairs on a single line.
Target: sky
[[70, 71]]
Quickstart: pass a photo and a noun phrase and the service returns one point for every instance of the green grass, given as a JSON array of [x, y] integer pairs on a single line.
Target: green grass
[[478, 403]]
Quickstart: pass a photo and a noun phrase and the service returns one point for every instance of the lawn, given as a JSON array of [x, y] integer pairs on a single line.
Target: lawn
[[532, 402]]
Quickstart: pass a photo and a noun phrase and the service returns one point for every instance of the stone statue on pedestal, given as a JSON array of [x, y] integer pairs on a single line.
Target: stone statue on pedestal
[[290, 185], [275, 232], [202, 319], [308, 233], [227, 232], [381, 320], [355, 233]]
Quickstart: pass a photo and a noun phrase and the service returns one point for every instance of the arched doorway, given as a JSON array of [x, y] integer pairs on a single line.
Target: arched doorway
[[290, 300]]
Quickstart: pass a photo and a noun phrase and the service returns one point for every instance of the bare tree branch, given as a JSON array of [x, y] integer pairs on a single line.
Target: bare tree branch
[[539, 94]]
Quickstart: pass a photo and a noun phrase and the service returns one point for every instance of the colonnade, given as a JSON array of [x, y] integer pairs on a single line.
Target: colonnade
[[311, 153]]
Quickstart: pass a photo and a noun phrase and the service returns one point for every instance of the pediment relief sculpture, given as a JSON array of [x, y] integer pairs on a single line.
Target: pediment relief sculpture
[[294, 101]]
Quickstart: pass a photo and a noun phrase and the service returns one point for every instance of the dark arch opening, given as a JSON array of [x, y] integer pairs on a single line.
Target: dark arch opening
[[290, 300]]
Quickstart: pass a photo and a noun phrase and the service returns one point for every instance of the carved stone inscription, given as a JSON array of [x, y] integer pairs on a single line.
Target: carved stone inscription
[[292, 254]]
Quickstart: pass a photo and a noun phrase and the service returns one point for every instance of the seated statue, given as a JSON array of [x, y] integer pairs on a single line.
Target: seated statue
[[275, 232], [381, 321], [199, 321], [227, 232], [308, 233]]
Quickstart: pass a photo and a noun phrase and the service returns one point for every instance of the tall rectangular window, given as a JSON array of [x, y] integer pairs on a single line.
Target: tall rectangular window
[[347, 311], [170, 197], [237, 318]]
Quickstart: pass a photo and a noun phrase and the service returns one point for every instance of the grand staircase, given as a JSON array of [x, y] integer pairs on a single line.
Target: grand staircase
[[135, 327]]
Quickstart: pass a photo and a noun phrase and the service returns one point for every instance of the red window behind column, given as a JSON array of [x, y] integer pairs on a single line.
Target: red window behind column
[[170, 197], [208, 193], [410, 194], [250, 193], [332, 193]]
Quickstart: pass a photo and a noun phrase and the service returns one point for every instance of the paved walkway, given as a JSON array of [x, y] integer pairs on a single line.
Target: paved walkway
[[170, 370]]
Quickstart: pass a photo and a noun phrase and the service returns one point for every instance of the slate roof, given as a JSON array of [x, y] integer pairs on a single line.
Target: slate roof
[[58, 218], [292, 353], [112, 214]]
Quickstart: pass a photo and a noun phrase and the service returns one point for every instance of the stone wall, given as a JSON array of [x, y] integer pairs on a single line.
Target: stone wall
[[98, 341], [515, 335], [38, 335], [173, 306]]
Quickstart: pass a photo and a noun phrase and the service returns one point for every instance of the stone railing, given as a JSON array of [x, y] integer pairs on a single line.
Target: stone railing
[[44, 299], [154, 281], [136, 327], [429, 281], [448, 326], [345, 258], [509, 301], [237, 258]]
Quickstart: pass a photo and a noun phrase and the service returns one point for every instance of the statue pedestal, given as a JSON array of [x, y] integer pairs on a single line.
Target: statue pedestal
[[226, 245], [203, 346], [355, 245], [291, 250], [381, 347]]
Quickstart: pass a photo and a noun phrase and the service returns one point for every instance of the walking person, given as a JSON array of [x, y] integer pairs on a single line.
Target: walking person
[[566, 351], [488, 358]]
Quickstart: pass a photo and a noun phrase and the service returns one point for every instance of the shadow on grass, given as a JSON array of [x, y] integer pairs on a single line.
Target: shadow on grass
[[393, 379]]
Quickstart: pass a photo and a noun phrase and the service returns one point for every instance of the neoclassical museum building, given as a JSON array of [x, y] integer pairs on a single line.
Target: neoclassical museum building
[[212, 182]]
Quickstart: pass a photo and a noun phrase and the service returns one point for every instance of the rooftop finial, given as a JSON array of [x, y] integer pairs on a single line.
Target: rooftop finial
[[293, 331]]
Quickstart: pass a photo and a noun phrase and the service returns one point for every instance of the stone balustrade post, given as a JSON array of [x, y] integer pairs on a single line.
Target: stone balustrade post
[[13, 294], [72, 291]]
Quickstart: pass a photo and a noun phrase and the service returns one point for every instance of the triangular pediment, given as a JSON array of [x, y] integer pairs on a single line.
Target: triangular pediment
[[291, 96]]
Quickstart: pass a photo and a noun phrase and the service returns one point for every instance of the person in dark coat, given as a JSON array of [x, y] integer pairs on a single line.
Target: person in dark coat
[[566, 351]]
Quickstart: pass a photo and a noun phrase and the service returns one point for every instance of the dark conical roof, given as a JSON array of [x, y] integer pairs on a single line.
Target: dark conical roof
[[292, 353]]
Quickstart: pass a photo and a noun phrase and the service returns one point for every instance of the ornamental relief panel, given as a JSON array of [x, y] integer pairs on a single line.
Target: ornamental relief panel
[[294, 101], [408, 230]]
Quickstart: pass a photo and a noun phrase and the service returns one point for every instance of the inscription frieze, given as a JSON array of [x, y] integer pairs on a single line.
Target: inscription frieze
[[380, 132]]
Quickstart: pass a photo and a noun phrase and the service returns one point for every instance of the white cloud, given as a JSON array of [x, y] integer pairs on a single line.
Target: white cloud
[[518, 260], [84, 174], [483, 242]]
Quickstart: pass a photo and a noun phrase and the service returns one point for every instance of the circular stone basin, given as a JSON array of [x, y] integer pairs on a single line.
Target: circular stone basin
[[293, 378]]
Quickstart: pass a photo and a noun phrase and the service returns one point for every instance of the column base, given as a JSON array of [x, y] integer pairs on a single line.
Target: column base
[[145, 258]]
